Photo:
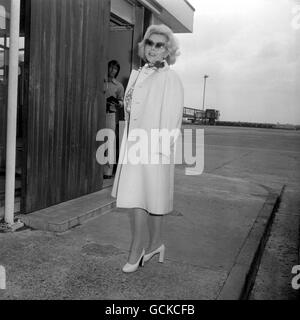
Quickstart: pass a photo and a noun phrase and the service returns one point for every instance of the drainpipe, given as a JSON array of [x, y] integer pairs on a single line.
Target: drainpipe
[[12, 111]]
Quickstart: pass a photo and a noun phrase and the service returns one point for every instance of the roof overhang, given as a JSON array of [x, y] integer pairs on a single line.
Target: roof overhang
[[177, 14]]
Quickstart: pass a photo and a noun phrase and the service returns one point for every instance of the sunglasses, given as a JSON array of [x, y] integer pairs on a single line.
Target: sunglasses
[[157, 45]]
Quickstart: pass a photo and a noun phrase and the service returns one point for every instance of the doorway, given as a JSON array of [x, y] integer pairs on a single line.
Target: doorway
[[120, 46]]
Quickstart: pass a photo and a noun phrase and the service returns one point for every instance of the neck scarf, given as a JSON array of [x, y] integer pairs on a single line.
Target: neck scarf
[[157, 64]]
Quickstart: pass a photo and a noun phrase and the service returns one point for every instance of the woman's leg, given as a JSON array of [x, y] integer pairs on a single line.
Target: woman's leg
[[139, 231], [155, 225]]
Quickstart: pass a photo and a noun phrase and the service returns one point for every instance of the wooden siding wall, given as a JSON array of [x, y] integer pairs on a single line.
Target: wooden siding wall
[[65, 110]]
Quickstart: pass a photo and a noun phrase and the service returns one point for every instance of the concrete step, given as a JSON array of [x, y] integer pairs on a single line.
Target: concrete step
[[69, 214]]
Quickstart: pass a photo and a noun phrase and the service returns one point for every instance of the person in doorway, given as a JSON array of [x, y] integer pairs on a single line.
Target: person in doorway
[[114, 94], [153, 100]]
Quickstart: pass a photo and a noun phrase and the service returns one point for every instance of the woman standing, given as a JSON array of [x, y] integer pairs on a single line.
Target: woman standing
[[153, 100]]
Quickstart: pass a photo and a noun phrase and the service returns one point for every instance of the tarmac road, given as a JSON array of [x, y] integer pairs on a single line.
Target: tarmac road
[[270, 158]]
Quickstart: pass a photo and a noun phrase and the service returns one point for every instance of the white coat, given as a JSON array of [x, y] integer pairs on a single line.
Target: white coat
[[157, 103]]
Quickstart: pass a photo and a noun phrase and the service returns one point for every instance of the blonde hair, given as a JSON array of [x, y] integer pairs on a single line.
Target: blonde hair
[[172, 43]]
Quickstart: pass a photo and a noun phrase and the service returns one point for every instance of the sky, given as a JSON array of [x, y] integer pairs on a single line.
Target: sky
[[251, 51]]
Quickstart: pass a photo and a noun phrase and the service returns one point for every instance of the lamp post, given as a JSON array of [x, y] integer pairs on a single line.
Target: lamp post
[[205, 77]]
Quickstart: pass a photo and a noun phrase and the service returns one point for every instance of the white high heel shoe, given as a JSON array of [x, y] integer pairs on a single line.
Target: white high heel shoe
[[133, 267], [160, 250]]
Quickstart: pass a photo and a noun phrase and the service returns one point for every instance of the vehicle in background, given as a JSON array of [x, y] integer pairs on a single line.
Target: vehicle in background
[[208, 116], [188, 115], [212, 115]]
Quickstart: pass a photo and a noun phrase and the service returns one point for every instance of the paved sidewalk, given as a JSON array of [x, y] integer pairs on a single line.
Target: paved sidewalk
[[208, 249]]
